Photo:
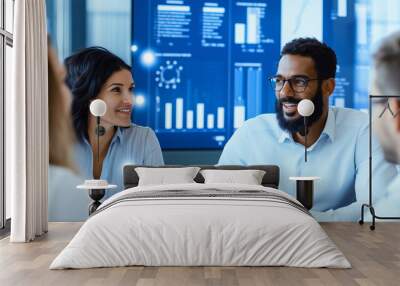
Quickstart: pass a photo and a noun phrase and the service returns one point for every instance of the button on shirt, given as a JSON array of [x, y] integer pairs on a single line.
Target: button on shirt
[[135, 145], [339, 157]]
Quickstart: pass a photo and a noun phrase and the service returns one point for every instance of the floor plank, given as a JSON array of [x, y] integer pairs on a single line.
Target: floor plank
[[374, 255]]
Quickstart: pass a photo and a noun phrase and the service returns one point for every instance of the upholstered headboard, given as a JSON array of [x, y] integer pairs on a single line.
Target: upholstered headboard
[[270, 179]]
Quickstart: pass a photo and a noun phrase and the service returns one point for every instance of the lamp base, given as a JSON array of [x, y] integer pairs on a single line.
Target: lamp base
[[96, 195], [305, 193]]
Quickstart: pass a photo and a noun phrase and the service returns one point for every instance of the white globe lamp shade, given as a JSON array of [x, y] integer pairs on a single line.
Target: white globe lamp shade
[[305, 107], [98, 107]]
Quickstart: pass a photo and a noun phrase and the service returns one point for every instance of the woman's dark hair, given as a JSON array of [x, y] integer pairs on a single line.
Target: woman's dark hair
[[87, 72], [323, 56]]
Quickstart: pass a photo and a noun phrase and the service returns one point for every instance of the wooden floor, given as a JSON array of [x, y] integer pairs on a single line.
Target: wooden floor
[[374, 255]]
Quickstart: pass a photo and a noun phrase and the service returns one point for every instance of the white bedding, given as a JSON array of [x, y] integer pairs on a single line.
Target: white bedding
[[182, 231]]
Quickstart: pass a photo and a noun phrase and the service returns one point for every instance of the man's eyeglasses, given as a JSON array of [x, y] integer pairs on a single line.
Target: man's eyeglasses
[[297, 84]]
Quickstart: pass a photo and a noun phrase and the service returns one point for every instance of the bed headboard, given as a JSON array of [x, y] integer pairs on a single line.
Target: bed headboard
[[270, 179]]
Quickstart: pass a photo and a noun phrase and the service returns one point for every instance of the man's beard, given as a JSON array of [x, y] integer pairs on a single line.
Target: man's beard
[[297, 125]]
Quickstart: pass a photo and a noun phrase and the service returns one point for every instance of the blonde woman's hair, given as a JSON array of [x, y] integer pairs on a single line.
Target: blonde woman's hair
[[387, 65], [61, 135]]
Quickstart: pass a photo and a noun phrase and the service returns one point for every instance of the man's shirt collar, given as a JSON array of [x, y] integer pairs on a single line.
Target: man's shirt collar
[[329, 129]]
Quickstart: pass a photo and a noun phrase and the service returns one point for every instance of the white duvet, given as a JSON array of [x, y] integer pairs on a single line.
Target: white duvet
[[185, 231]]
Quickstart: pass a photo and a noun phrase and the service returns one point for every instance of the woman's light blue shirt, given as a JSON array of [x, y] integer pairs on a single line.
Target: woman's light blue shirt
[[135, 145]]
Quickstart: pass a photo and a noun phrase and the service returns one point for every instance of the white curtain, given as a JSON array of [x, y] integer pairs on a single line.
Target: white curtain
[[27, 123]]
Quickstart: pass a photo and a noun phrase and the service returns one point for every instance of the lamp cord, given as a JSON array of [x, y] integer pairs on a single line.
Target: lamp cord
[[98, 141], [305, 138]]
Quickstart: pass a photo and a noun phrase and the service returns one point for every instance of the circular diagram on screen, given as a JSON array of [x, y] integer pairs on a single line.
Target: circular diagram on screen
[[168, 75]]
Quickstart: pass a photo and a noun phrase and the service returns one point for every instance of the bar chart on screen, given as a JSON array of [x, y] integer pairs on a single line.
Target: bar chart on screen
[[178, 118], [249, 25], [249, 32], [247, 92]]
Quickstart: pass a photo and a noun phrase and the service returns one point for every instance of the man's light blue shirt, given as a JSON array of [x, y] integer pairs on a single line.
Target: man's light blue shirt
[[339, 157], [135, 145]]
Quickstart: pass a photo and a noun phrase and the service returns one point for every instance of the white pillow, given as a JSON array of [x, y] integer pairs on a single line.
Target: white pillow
[[165, 176], [248, 177]]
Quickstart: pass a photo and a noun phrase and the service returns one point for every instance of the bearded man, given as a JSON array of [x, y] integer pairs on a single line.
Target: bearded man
[[337, 138]]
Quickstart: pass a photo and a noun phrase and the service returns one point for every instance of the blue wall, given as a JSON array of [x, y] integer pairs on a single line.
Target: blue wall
[[191, 157]]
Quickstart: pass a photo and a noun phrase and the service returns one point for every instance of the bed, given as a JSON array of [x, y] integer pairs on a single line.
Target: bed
[[201, 224]]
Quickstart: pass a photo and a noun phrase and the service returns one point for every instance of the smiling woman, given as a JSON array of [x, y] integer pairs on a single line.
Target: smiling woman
[[95, 73]]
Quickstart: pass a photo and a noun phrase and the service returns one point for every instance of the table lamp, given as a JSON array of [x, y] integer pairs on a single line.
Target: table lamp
[[97, 187], [98, 108], [305, 185], [305, 109]]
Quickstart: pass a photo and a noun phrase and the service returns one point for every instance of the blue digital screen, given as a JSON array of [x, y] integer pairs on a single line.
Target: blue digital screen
[[201, 67]]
